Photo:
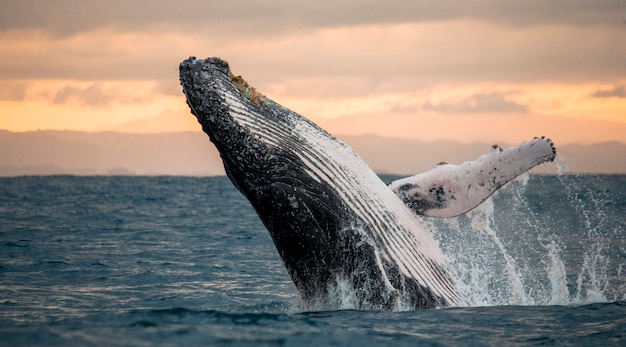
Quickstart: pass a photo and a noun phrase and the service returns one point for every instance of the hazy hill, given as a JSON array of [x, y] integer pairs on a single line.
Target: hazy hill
[[82, 153], [191, 153], [388, 155]]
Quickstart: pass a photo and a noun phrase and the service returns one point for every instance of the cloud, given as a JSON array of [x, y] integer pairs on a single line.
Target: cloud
[[478, 104], [332, 58], [373, 59], [13, 90], [617, 92], [102, 55], [68, 17], [99, 94], [92, 95]]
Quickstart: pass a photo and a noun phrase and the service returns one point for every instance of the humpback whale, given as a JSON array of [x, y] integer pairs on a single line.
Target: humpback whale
[[347, 239]]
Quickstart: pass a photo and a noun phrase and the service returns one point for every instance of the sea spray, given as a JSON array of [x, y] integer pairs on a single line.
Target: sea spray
[[509, 250], [555, 269], [480, 259], [594, 235]]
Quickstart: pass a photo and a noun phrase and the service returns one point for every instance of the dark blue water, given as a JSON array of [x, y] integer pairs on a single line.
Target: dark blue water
[[112, 261]]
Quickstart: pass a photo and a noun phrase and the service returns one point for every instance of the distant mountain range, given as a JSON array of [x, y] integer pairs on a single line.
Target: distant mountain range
[[191, 154]]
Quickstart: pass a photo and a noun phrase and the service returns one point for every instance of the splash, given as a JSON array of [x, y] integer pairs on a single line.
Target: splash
[[541, 240], [592, 280], [555, 270]]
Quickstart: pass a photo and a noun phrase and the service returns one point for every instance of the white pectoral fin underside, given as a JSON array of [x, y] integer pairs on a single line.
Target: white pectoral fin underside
[[450, 190]]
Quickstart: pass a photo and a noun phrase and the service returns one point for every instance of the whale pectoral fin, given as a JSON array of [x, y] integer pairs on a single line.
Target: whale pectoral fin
[[451, 190]]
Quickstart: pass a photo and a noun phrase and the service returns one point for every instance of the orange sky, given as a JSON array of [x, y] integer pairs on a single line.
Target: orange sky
[[468, 71]]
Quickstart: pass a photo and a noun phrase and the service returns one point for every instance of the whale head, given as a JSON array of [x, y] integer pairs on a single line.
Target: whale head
[[241, 125]]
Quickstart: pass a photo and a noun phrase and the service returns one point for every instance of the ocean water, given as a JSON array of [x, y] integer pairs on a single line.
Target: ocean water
[[160, 261]]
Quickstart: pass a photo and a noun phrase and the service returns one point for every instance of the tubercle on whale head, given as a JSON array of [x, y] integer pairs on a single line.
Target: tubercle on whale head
[[250, 92]]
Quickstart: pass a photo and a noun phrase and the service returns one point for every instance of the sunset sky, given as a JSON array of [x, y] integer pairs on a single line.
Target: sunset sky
[[482, 70]]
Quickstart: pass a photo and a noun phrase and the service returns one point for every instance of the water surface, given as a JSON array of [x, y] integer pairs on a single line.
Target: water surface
[[112, 261]]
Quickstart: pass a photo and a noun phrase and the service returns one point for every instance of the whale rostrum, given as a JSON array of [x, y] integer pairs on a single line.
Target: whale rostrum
[[346, 238]]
